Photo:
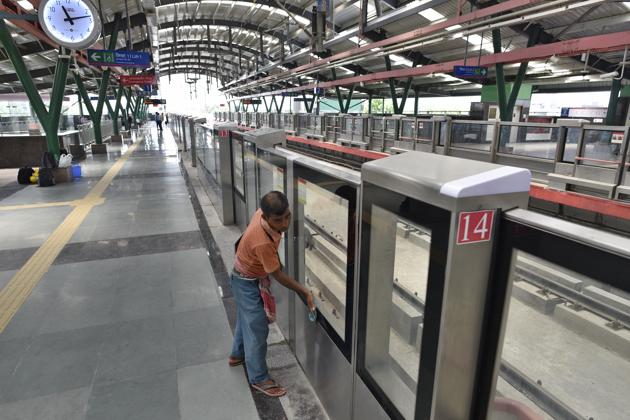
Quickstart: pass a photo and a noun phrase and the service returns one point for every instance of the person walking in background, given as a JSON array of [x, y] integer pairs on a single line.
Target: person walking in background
[[256, 261], [158, 121]]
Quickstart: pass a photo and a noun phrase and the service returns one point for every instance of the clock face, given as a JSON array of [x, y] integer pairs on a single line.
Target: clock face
[[71, 23]]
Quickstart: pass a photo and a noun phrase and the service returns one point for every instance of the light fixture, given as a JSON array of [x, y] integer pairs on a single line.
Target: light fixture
[[431, 14], [26, 5], [608, 76], [554, 59]]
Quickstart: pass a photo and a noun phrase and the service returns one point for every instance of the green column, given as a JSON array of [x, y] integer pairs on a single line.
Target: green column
[[114, 112], [49, 119], [502, 98], [612, 101], [97, 113]]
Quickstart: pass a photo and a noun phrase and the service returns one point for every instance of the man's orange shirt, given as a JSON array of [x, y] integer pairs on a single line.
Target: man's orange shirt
[[257, 254]]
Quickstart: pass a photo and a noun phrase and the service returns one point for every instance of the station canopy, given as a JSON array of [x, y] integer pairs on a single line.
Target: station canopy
[[252, 47]]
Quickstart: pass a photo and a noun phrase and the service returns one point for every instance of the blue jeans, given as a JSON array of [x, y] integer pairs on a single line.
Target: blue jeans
[[250, 334]]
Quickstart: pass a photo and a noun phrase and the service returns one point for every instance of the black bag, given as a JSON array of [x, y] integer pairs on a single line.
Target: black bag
[[24, 175], [46, 177], [48, 160]]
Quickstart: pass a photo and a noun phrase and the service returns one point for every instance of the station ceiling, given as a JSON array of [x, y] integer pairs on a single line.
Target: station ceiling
[[238, 42]]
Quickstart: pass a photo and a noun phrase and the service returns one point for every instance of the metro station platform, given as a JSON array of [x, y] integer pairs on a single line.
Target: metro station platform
[[111, 305]]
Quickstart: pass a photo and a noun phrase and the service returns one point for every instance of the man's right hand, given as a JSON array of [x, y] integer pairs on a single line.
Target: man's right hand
[[310, 302]]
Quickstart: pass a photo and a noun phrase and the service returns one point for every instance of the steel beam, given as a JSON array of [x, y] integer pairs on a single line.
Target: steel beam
[[407, 37], [598, 43], [49, 119]]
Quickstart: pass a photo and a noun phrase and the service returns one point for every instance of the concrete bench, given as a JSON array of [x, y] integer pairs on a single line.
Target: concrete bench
[[560, 182]]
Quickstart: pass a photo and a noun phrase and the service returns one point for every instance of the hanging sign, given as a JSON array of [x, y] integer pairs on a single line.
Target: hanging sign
[[251, 102], [126, 80], [475, 226], [470, 71], [155, 102], [119, 58]]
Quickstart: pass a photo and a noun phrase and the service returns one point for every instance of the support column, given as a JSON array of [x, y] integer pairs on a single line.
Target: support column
[[369, 103], [415, 103], [49, 119], [612, 102], [97, 114], [114, 114]]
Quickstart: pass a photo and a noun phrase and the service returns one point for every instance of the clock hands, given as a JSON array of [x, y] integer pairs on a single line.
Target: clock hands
[[68, 18]]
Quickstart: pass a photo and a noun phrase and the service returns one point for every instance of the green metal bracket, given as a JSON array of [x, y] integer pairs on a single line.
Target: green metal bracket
[[13, 16], [114, 112], [97, 114], [348, 99], [337, 91], [49, 119], [496, 42], [612, 101]]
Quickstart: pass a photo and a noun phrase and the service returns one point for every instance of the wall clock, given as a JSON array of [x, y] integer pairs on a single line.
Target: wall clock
[[73, 24]]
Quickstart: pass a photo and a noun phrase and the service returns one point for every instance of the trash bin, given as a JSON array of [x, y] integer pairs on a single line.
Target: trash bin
[[76, 171]]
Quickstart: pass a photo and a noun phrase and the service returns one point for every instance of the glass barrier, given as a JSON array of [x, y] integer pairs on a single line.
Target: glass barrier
[[601, 148], [424, 131], [237, 164], [393, 361], [473, 136], [325, 250], [566, 350], [443, 132], [407, 130], [539, 141], [571, 144], [271, 177], [251, 198]]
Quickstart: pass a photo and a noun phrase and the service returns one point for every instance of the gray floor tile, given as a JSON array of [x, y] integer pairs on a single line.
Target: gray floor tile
[[137, 349], [86, 297], [69, 405], [216, 391], [30, 227], [152, 397], [5, 277], [11, 353], [202, 336], [33, 313], [147, 303], [55, 363]]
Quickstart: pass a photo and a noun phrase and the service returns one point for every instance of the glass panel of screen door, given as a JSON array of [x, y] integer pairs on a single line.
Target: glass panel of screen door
[[398, 275], [559, 359], [326, 248]]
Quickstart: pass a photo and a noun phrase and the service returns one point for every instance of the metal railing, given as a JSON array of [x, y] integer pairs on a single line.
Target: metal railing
[[571, 156]]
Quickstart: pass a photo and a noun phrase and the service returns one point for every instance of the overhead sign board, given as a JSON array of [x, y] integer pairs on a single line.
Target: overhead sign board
[[470, 71], [155, 102], [119, 58], [126, 80], [290, 94], [251, 102]]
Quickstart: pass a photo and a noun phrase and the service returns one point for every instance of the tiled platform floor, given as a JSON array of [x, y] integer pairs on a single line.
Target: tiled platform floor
[[127, 323]]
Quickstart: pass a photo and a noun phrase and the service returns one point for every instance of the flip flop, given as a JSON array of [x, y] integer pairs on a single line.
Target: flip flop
[[266, 388], [233, 361]]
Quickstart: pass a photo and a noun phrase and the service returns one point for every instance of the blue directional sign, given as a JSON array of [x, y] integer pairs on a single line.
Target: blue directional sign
[[147, 88], [470, 71], [120, 58]]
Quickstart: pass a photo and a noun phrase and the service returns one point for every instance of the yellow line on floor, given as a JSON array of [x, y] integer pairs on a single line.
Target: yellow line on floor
[[39, 205], [15, 293]]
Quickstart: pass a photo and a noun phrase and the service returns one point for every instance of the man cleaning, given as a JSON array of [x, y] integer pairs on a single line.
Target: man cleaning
[[256, 260]]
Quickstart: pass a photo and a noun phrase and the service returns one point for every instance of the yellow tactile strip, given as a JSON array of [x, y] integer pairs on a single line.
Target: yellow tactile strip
[[15, 293]]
